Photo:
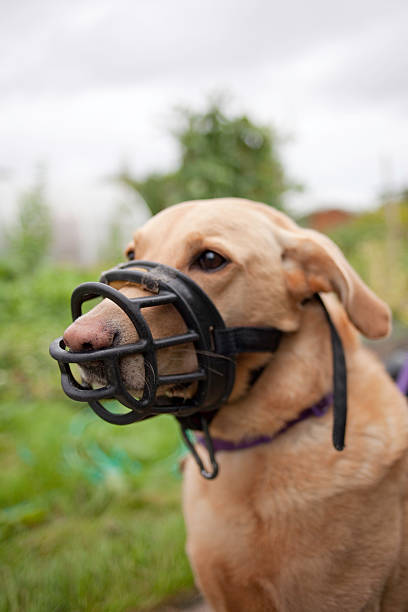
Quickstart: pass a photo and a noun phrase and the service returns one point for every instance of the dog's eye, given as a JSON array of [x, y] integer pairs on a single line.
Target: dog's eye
[[130, 254], [210, 261]]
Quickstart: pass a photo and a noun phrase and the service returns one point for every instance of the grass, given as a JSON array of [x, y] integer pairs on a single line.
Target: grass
[[90, 515]]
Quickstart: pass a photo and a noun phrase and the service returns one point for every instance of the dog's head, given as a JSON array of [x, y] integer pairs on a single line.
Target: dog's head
[[255, 264]]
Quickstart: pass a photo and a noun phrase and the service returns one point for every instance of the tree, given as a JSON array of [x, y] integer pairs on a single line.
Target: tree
[[220, 156]]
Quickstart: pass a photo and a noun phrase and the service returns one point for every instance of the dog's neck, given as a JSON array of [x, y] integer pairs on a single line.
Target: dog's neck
[[317, 410], [297, 376]]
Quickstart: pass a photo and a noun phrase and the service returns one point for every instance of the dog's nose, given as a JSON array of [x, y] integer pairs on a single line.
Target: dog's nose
[[87, 335]]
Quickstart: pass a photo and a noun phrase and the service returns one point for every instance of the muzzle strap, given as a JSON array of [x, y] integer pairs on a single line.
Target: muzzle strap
[[235, 340], [207, 441], [339, 382]]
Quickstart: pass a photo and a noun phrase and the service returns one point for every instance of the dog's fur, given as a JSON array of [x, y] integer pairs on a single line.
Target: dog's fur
[[292, 525]]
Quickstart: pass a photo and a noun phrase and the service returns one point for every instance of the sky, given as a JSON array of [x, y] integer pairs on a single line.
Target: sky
[[87, 86]]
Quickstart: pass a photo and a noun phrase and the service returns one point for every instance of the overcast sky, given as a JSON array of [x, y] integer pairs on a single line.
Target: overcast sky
[[87, 85]]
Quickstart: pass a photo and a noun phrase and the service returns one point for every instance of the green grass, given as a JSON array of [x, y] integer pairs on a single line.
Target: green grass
[[90, 515]]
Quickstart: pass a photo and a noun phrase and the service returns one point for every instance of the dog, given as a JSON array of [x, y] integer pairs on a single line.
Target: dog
[[291, 525]]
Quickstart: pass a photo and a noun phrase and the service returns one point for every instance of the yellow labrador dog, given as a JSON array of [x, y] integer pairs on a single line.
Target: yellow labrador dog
[[291, 525]]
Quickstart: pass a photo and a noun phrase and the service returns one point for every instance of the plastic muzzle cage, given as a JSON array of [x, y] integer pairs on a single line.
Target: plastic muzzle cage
[[214, 374]]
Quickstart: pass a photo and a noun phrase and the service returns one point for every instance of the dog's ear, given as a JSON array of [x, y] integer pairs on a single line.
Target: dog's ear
[[313, 263]]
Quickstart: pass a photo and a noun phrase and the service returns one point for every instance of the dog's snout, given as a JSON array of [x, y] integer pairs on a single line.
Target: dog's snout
[[87, 335]]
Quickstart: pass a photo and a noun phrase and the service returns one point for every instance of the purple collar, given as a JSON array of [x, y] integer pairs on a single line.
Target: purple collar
[[318, 410]]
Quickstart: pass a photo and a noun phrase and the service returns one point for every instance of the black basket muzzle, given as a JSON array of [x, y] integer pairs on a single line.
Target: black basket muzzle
[[214, 375]]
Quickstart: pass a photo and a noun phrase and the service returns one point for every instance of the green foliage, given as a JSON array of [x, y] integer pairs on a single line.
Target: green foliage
[[376, 245], [221, 156], [90, 515], [30, 239], [34, 308]]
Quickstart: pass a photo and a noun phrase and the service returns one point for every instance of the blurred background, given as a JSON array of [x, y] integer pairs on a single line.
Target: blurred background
[[110, 112]]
